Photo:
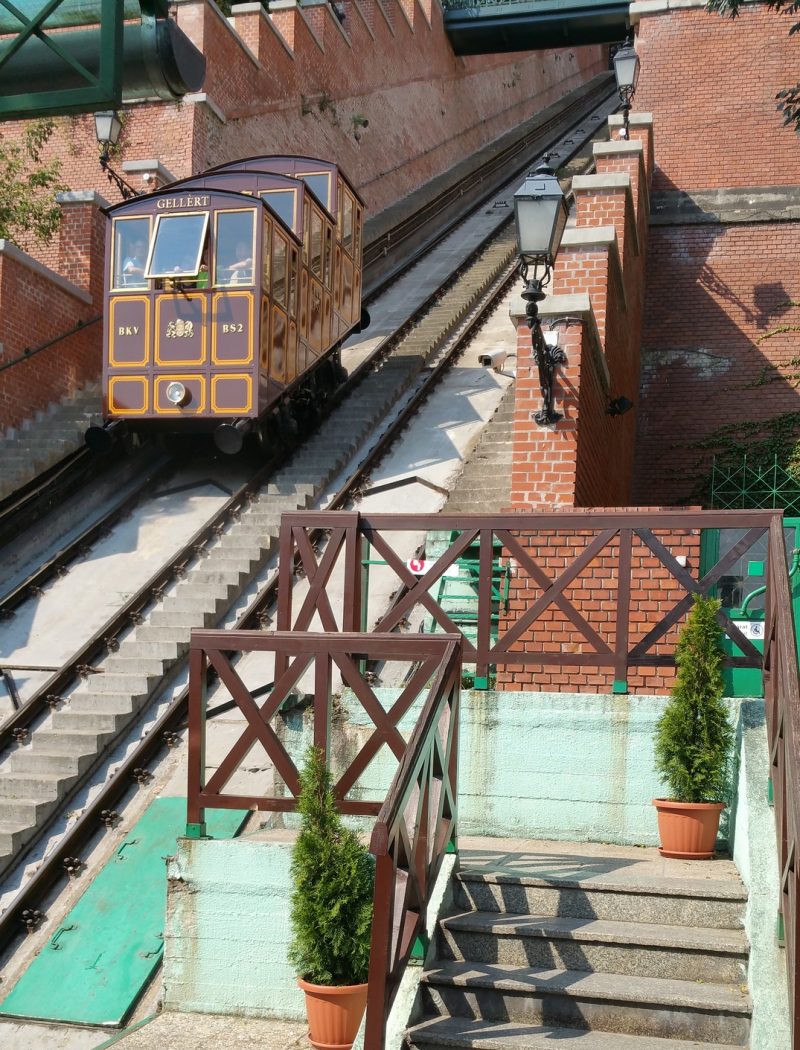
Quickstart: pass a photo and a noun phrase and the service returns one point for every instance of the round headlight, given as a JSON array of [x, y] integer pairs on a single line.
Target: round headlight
[[177, 393]]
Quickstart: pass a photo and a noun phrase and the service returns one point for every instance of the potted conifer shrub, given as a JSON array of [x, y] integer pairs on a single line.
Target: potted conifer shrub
[[333, 878], [694, 739]]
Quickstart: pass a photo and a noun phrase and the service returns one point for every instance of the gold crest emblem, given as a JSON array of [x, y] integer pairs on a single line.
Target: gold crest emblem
[[180, 329]]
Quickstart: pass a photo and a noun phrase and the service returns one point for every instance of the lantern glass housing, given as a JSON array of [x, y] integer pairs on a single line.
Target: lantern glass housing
[[540, 211], [107, 127], [626, 69]]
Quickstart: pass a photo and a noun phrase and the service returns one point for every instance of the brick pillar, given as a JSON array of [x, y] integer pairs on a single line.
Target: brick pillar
[[81, 241], [544, 470]]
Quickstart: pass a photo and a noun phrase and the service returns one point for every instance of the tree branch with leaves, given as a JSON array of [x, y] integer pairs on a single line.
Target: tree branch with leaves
[[28, 185]]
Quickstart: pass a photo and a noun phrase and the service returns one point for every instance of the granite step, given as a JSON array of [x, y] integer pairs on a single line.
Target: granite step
[[657, 1007], [465, 1034], [711, 903], [640, 949]]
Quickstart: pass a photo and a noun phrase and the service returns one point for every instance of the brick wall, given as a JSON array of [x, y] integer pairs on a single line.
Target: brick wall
[[719, 350], [31, 386], [719, 343], [38, 304], [593, 593], [710, 83]]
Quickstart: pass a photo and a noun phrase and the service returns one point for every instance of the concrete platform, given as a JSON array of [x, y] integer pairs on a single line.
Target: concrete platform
[[171, 1031]]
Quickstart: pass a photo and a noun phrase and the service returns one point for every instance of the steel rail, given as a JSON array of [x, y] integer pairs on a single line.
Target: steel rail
[[56, 564], [160, 735]]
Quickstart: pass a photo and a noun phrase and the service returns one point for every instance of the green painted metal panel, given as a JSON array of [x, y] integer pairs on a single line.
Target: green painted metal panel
[[102, 956]]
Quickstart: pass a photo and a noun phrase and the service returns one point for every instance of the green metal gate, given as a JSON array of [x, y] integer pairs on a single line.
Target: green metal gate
[[749, 486]]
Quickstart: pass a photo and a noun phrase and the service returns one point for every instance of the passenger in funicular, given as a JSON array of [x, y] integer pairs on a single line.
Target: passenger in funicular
[[240, 270], [133, 265]]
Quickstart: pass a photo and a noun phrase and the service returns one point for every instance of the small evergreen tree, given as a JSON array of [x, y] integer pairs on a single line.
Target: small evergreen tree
[[333, 877], [694, 736]]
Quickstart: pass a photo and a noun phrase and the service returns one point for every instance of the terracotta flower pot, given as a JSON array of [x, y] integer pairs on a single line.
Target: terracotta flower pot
[[688, 830], [334, 1013]]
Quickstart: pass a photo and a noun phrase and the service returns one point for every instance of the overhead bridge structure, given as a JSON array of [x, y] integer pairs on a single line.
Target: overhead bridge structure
[[481, 27]]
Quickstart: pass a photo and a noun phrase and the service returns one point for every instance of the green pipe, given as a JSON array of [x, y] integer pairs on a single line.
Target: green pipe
[[760, 590]]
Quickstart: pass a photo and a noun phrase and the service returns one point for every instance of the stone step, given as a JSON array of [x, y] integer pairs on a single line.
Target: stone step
[[58, 742], [459, 1032], [640, 949], [12, 836], [27, 812], [103, 703], [41, 786], [658, 1007], [91, 721], [125, 662], [675, 902], [48, 762]]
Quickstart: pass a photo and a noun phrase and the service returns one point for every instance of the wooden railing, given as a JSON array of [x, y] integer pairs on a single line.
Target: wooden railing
[[590, 590], [415, 828], [416, 824], [310, 657], [782, 696]]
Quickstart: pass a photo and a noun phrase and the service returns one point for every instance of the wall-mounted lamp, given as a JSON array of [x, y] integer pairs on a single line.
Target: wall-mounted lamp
[[107, 128], [626, 70], [540, 211], [618, 406]]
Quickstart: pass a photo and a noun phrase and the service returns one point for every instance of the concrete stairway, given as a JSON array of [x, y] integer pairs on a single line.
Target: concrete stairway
[[51, 435], [599, 955], [484, 485]]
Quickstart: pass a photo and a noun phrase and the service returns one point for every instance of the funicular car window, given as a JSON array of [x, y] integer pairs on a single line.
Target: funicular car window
[[178, 245], [315, 260], [266, 249], [319, 182], [328, 254], [234, 247], [131, 241], [279, 252], [347, 224], [283, 203], [293, 285]]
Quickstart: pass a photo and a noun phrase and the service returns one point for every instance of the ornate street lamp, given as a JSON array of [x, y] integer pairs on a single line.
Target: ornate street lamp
[[107, 128], [540, 211], [626, 70]]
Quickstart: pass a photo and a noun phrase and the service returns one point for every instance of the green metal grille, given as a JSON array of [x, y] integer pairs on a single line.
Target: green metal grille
[[754, 486]]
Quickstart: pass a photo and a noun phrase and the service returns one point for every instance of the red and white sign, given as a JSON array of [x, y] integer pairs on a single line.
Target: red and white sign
[[419, 566]]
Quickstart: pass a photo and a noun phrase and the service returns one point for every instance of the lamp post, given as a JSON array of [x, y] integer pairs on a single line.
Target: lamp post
[[540, 212], [626, 70], [107, 128]]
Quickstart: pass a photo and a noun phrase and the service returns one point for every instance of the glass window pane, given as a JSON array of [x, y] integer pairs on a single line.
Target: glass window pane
[[282, 203], [279, 253], [315, 261], [267, 254], [178, 245], [328, 253], [131, 241], [293, 285], [234, 247], [347, 225], [320, 185]]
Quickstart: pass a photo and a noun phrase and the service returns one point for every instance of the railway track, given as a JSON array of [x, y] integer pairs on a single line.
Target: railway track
[[388, 253], [60, 739]]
